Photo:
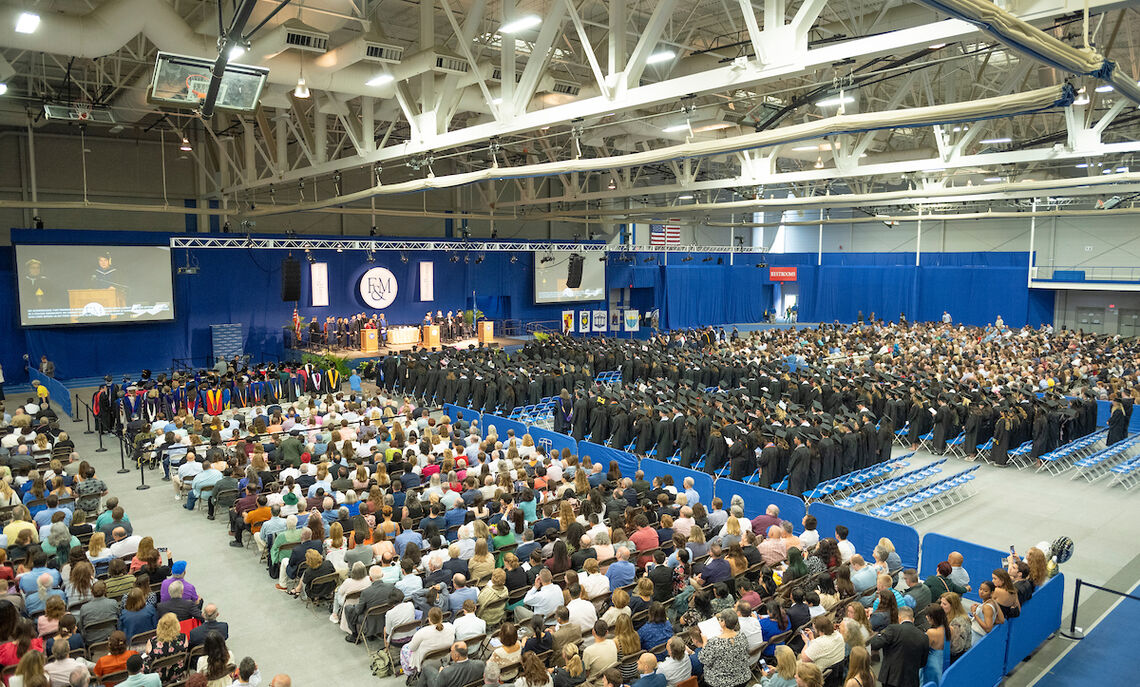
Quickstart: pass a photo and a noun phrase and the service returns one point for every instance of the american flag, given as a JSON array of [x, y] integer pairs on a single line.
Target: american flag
[[664, 234]]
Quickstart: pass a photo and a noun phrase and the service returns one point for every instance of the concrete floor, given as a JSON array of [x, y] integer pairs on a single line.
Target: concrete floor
[[1011, 507]]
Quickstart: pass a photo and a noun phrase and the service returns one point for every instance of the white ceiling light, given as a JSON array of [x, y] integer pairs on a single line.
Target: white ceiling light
[[496, 101], [836, 101], [813, 148], [674, 128], [521, 24], [27, 22], [1082, 165], [992, 141], [660, 56], [687, 196], [1122, 169], [3, 88], [1081, 100], [185, 147], [380, 80], [236, 52], [992, 180], [302, 89], [1104, 88]]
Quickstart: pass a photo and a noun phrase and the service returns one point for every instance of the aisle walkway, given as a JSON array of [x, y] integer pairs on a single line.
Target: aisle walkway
[[1106, 656]]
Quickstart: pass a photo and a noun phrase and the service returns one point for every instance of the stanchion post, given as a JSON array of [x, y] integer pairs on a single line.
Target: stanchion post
[[142, 478], [75, 406], [101, 449], [1074, 631], [122, 455], [88, 419]]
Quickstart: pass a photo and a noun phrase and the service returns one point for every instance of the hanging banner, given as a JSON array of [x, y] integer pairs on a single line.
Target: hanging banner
[[427, 281], [632, 320], [584, 321], [319, 283], [567, 321], [615, 320], [378, 288], [601, 321]]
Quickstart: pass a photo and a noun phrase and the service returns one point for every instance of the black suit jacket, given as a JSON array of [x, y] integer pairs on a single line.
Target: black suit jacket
[[905, 648], [183, 609], [198, 635]]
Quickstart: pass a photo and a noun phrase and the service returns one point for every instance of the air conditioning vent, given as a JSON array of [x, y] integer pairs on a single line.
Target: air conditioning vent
[[301, 36], [379, 52], [79, 113], [567, 87], [497, 75], [451, 65]]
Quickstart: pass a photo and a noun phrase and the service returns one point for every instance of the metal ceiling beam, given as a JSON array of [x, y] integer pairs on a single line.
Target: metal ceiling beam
[[222, 242]]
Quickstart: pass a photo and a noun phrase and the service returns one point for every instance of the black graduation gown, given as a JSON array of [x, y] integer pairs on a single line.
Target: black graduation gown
[[1117, 427], [886, 443], [645, 436], [769, 464], [717, 454], [581, 419], [687, 446], [563, 412], [1000, 451], [620, 423], [973, 421], [828, 453], [941, 428], [868, 445], [799, 470], [915, 418], [850, 443], [1040, 436], [740, 460], [599, 418], [664, 432]]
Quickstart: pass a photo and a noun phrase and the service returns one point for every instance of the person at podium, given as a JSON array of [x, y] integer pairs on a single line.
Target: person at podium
[[106, 276], [36, 284], [427, 318]]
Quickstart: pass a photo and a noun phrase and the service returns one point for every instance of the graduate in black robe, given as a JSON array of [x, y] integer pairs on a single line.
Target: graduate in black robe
[[799, 466], [717, 453], [942, 427], [1117, 423]]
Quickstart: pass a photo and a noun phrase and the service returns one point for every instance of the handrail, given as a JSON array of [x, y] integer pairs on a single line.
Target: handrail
[[548, 326], [1078, 633]]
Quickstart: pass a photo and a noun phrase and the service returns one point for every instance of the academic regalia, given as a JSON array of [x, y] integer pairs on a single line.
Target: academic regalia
[[664, 433], [619, 438], [643, 430], [942, 428], [1000, 451], [599, 418], [740, 460], [850, 452], [332, 381], [769, 464], [799, 470], [828, 459], [973, 423], [581, 418], [563, 414], [717, 454], [1117, 426], [1040, 436]]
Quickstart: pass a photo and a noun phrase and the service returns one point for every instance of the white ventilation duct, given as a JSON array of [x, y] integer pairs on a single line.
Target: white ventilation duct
[[988, 108]]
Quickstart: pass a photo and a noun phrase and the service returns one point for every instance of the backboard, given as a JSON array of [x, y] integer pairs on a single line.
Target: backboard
[[183, 80]]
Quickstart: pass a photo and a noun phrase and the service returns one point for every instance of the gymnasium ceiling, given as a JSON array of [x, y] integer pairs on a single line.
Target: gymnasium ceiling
[[593, 80]]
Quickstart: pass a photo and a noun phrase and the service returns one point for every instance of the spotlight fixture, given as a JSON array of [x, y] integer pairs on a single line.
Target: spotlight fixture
[[404, 258], [185, 147], [370, 256], [309, 256], [376, 171], [649, 259], [226, 227], [340, 250], [708, 258], [454, 258], [514, 259], [466, 259], [372, 230], [687, 258], [546, 259], [479, 259], [39, 222], [612, 185]]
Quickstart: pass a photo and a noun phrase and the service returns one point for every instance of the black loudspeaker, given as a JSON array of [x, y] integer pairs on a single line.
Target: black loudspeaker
[[574, 272], [290, 279]]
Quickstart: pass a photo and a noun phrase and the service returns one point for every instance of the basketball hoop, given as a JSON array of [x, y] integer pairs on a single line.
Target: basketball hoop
[[82, 113], [197, 85]]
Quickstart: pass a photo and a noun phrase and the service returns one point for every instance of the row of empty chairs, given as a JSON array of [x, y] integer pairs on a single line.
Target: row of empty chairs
[[1100, 464], [930, 499], [1064, 457], [832, 488], [866, 499]]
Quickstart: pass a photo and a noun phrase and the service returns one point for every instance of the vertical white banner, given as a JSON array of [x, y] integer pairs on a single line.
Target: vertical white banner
[[427, 281], [319, 281]]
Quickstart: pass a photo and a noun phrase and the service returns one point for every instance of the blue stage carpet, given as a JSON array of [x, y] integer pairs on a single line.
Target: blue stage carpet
[[1106, 656]]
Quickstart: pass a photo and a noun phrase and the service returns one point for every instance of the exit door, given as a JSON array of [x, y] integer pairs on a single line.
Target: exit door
[[1091, 319], [1129, 322]]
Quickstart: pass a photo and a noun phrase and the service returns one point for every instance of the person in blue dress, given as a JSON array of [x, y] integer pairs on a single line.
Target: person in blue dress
[[939, 635]]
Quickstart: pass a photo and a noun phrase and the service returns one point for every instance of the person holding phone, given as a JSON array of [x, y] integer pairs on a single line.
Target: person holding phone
[[783, 674]]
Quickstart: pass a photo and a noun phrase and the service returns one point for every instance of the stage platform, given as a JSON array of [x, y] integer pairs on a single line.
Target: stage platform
[[353, 354]]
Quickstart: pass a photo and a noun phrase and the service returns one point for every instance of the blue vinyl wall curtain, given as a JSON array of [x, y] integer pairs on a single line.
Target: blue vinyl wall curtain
[[241, 285]]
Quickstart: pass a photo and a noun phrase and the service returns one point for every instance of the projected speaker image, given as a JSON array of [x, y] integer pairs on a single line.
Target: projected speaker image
[[568, 277], [68, 284]]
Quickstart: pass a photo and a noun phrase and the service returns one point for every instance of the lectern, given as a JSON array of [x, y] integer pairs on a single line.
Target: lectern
[[78, 299], [486, 329], [430, 336], [369, 343]]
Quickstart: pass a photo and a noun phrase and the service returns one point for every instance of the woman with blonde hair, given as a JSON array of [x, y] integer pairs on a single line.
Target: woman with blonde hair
[[8, 497], [97, 551], [859, 672], [168, 641], [146, 546], [436, 634], [783, 674], [570, 672], [565, 515], [628, 643], [808, 675], [620, 601], [336, 546], [581, 484], [490, 595], [482, 562], [961, 635]]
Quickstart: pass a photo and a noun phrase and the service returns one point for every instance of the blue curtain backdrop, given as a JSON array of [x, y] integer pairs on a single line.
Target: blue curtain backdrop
[[240, 285]]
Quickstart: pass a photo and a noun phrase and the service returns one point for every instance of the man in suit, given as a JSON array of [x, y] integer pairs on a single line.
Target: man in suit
[[210, 624], [904, 648], [380, 593], [565, 632], [647, 669], [459, 672], [661, 576], [183, 609]]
